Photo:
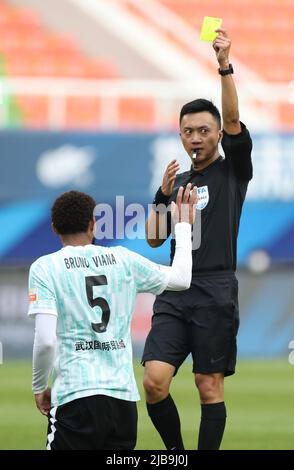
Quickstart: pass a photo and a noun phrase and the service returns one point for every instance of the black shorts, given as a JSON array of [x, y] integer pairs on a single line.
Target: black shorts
[[204, 323], [93, 423]]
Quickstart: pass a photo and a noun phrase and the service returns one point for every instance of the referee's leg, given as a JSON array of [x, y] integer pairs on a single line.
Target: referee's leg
[[213, 410], [212, 333], [165, 350]]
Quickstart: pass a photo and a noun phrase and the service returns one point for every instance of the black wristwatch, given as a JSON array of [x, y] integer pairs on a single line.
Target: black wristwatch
[[226, 71], [161, 198]]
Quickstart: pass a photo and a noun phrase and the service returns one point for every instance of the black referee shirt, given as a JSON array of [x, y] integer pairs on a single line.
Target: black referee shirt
[[223, 184]]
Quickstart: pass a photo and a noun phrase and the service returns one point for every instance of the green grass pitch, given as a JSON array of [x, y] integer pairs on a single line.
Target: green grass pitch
[[259, 400]]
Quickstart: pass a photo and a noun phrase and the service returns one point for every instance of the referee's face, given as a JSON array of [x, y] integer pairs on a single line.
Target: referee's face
[[200, 132]]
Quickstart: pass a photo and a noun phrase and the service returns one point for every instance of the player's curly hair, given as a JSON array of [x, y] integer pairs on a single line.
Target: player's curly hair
[[72, 212], [198, 106]]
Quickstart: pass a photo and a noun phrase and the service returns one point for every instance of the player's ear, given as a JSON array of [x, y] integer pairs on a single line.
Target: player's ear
[[92, 230], [91, 225], [54, 229], [220, 136]]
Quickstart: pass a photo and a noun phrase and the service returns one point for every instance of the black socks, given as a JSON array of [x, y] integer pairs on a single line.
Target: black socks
[[212, 426], [164, 415]]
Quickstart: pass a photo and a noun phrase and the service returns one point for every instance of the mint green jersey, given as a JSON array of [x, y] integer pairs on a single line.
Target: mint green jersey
[[92, 290]]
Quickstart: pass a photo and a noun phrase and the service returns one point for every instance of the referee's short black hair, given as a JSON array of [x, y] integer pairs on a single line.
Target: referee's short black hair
[[72, 212], [198, 106]]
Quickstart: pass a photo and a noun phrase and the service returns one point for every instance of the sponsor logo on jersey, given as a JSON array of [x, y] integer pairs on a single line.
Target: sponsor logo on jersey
[[32, 295]]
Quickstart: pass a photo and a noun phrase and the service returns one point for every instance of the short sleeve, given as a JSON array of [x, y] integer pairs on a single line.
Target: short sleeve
[[147, 276], [237, 149], [41, 293]]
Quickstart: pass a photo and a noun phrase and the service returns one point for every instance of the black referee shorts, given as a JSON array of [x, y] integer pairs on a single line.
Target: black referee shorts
[[203, 321], [93, 423]]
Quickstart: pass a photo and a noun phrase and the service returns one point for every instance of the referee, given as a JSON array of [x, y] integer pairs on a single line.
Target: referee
[[203, 320]]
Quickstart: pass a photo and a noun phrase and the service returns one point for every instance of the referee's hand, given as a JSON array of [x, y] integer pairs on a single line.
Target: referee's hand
[[222, 45], [169, 177], [184, 209]]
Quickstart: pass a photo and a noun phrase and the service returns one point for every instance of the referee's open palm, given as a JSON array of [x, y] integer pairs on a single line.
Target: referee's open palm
[[169, 177]]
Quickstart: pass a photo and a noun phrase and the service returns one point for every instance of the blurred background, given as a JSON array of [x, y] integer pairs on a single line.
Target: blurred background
[[90, 93]]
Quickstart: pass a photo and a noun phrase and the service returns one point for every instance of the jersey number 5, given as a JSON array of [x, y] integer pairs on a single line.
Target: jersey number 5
[[93, 281]]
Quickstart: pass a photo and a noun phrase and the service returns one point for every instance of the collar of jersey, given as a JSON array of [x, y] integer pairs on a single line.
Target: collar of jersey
[[207, 168]]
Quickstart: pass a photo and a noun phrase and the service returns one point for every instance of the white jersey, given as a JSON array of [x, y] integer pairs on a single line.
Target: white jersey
[[92, 290]]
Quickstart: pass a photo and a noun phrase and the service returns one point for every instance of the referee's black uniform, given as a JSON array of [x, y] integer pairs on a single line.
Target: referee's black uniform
[[204, 319]]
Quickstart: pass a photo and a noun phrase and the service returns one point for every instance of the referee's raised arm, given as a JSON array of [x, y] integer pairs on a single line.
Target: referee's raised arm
[[157, 225], [230, 108]]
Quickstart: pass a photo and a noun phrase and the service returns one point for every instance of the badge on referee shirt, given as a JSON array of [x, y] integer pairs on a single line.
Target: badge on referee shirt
[[203, 196]]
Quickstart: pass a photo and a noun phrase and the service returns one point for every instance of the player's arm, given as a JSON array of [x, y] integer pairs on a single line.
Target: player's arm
[[43, 359], [179, 274], [157, 224], [154, 278], [230, 107], [43, 308]]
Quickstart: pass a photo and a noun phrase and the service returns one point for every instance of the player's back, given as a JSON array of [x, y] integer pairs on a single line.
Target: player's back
[[92, 284], [93, 290]]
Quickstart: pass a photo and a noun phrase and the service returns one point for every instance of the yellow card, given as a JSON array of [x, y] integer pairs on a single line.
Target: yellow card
[[208, 28]]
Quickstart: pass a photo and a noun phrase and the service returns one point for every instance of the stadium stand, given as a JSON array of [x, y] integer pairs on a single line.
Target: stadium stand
[[260, 31], [31, 46], [29, 49]]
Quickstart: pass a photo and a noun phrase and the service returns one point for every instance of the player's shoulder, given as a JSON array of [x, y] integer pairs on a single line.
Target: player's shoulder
[[43, 261], [125, 254], [121, 251], [105, 249], [122, 255], [118, 252]]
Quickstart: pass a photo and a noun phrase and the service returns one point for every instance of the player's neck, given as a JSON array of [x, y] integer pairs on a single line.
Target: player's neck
[[77, 239]]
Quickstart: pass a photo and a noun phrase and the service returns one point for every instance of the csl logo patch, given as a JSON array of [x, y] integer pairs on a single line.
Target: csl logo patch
[[203, 196], [32, 295]]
